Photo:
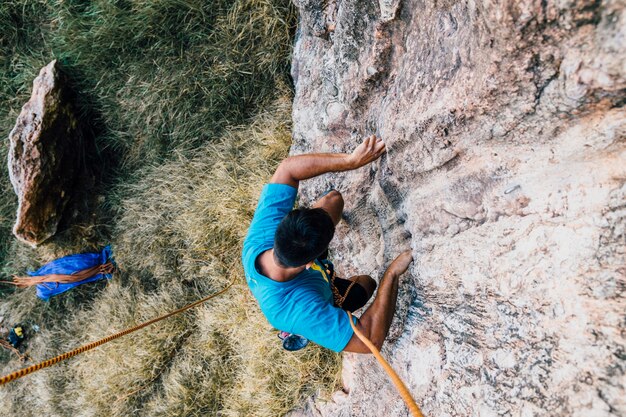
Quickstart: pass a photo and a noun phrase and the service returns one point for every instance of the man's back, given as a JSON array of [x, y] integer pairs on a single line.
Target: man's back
[[282, 244], [303, 304]]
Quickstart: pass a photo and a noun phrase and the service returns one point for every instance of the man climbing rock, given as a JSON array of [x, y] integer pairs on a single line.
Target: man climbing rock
[[284, 260]]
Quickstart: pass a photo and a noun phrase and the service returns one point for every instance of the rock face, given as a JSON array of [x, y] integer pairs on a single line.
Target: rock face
[[505, 174], [43, 154]]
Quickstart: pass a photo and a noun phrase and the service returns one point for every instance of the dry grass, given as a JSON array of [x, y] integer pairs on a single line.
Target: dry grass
[[190, 114], [179, 238]]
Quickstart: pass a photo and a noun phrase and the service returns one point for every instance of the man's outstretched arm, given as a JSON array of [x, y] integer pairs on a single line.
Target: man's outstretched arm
[[376, 320], [301, 167]]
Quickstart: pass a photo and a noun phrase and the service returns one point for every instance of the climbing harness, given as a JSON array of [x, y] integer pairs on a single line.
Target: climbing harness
[[402, 389], [327, 269], [293, 342], [29, 370]]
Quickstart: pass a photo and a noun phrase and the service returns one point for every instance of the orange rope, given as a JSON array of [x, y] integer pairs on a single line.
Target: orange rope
[[402, 389], [8, 346], [27, 281], [33, 368]]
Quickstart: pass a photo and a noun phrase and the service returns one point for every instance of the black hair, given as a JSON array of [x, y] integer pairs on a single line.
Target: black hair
[[302, 236]]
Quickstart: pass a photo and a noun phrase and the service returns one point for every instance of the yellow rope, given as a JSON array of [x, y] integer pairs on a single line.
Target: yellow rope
[[402, 389], [33, 368]]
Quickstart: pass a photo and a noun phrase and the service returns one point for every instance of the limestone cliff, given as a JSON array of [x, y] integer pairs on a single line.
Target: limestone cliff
[[505, 174]]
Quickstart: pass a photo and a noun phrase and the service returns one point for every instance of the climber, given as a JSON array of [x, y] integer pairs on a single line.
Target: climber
[[284, 260]]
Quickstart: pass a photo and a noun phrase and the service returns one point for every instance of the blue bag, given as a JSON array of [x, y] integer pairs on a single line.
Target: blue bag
[[94, 266]]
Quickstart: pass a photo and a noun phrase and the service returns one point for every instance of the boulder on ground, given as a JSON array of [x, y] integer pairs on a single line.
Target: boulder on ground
[[43, 154]]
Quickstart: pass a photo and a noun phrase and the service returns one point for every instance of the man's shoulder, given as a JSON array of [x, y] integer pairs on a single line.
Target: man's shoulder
[[275, 202], [273, 189]]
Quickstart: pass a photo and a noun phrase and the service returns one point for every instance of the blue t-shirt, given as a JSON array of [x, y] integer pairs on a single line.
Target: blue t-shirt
[[303, 305]]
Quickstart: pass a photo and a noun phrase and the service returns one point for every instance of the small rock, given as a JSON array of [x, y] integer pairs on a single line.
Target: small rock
[[388, 9], [511, 189], [336, 114], [453, 229]]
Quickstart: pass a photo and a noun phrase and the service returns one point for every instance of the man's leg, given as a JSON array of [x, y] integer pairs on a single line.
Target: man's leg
[[374, 323], [333, 204], [367, 282]]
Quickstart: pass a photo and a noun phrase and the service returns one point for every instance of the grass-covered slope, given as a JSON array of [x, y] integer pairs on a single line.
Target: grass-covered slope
[[189, 114]]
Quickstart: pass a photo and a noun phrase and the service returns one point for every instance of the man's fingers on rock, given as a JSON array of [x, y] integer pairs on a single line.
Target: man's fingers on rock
[[372, 143], [379, 151]]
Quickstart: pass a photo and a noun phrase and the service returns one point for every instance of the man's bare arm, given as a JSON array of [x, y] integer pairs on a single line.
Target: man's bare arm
[[301, 167], [376, 320]]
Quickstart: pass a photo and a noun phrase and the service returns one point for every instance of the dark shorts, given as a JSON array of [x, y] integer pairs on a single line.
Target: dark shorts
[[349, 295]]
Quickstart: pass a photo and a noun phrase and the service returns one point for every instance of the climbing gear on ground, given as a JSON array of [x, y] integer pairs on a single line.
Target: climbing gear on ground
[[292, 342], [33, 368], [68, 272], [400, 386], [9, 346], [16, 336]]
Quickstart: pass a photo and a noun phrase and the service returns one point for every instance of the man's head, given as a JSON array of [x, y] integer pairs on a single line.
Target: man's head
[[302, 236]]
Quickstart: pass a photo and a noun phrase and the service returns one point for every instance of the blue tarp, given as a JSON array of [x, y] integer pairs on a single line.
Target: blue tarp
[[69, 265]]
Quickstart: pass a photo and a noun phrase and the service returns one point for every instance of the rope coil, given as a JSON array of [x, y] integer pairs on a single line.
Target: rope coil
[[28, 281]]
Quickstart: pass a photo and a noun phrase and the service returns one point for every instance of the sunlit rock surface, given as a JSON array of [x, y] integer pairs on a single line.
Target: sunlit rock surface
[[505, 174], [44, 147]]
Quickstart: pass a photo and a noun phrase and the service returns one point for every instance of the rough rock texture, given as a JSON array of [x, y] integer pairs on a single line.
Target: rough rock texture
[[505, 174], [43, 154]]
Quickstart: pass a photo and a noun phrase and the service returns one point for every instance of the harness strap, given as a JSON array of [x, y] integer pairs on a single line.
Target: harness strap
[[326, 270]]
